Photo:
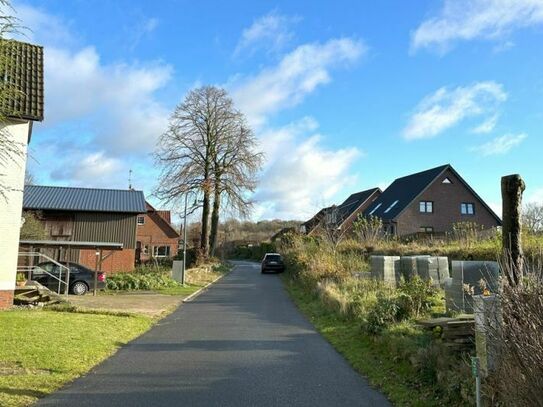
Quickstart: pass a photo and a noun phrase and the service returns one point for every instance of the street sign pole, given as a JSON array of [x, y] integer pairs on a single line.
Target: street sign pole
[[184, 241]]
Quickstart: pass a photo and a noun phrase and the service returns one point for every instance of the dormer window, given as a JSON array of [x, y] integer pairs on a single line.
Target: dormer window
[[446, 181]]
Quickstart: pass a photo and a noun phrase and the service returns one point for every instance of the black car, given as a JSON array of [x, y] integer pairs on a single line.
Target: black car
[[81, 277], [273, 262]]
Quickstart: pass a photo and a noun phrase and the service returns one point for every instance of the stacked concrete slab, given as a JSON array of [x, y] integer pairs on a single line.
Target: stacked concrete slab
[[469, 274], [434, 268], [385, 268], [393, 268]]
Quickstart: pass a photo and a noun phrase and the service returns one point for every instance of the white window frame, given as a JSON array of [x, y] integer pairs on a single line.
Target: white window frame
[[156, 249], [423, 206], [142, 218], [465, 208]]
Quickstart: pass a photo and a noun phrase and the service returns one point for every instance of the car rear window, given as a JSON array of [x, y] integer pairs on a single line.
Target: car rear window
[[273, 257]]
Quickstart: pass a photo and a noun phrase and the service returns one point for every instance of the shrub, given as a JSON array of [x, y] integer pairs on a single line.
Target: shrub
[[417, 297], [144, 278], [385, 312]]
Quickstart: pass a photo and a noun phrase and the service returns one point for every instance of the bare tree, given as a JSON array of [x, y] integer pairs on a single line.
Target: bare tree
[[329, 228], [202, 153], [235, 174], [532, 217]]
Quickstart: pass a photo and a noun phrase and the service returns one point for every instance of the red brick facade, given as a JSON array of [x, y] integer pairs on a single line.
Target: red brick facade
[[118, 261], [446, 199], [6, 299], [155, 236]]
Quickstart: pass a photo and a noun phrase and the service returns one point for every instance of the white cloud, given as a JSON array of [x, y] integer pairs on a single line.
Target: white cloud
[[447, 107], [271, 32], [301, 171], [42, 28], [535, 196], [487, 126], [298, 73], [94, 169], [500, 145], [463, 20], [115, 106], [79, 85]]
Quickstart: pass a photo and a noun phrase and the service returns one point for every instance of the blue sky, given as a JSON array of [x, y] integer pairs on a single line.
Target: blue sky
[[342, 95]]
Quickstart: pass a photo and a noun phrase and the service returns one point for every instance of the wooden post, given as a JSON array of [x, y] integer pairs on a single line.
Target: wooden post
[[96, 272], [512, 188]]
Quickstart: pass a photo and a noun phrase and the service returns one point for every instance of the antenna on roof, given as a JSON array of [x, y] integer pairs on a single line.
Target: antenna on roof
[[130, 179]]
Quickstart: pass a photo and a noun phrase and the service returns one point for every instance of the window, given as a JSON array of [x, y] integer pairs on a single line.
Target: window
[[446, 181], [426, 207], [146, 249], [467, 208], [331, 217], [374, 209], [426, 229], [391, 206], [141, 220], [161, 251]]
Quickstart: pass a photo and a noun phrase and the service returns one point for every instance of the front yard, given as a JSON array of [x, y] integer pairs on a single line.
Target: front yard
[[42, 349]]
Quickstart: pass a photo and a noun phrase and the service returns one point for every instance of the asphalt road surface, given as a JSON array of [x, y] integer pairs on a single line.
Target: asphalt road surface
[[241, 343]]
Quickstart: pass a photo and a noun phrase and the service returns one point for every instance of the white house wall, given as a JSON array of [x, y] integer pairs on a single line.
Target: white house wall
[[12, 176]]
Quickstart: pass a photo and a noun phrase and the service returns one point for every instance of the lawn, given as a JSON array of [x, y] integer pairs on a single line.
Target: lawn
[[42, 350]]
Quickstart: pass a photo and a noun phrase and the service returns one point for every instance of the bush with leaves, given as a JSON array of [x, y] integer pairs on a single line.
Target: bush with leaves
[[417, 296], [144, 278]]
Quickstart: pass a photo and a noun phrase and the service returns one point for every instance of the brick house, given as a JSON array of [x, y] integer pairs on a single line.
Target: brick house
[[342, 216], [155, 235], [23, 72], [90, 215], [430, 201]]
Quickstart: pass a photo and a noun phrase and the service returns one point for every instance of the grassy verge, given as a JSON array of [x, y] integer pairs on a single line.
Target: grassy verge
[[399, 361], [41, 350]]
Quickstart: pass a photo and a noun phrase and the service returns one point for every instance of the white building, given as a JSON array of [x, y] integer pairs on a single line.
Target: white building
[[21, 67]]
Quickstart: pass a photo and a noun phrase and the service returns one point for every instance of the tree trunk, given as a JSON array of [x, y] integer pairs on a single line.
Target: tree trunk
[[512, 188], [215, 221], [204, 237]]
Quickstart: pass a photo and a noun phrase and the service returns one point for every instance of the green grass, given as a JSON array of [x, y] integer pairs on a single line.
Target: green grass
[[41, 350], [383, 359], [185, 291]]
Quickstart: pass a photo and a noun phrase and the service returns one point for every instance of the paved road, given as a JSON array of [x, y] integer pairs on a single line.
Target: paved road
[[241, 343]]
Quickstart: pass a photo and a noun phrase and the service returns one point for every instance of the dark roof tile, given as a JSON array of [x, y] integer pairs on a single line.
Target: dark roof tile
[[21, 65], [402, 192]]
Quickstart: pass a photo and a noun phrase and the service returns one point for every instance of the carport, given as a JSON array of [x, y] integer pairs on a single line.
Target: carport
[[34, 246]]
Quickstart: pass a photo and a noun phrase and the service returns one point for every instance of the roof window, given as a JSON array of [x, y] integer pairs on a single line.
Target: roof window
[[374, 209], [391, 206]]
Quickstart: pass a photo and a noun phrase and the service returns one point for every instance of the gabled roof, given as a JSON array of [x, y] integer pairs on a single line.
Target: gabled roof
[[403, 191], [353, 202], [37, 197], [21, 66], [163, 217]]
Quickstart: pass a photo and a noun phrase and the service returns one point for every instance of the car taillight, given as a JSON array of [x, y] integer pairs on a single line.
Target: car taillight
[[102, 277]]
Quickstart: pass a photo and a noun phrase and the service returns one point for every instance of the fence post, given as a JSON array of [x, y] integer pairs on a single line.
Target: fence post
[[512, 188]]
